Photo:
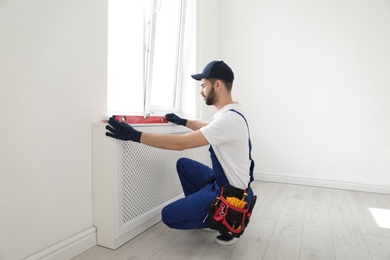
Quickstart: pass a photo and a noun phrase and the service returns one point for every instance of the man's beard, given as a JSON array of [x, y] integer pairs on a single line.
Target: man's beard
[[211, 98]]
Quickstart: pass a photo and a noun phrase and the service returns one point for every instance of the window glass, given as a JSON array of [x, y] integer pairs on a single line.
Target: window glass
[[125, 57], [166, 54]]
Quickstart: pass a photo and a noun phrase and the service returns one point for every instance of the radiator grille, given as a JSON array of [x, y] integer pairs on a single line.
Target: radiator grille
[[149, 178]]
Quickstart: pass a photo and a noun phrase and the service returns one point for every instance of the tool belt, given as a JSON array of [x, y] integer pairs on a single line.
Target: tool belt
[[229, 213]]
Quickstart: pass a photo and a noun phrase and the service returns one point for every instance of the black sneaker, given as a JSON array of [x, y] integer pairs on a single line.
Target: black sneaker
[[225, 240]]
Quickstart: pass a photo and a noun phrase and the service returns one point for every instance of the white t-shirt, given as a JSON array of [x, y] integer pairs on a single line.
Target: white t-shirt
[[228, 135]]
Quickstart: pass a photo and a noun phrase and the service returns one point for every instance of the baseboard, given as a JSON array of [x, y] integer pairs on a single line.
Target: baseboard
[[68, 248], [270, 177]]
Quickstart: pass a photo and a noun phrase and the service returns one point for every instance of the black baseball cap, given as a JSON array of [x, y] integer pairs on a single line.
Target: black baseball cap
[[216, 69]]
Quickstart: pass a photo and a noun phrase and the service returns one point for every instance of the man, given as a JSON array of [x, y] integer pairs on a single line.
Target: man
[[230, 148]]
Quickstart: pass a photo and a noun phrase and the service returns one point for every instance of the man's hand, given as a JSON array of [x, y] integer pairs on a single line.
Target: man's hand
[[175, 119], [122, 131]]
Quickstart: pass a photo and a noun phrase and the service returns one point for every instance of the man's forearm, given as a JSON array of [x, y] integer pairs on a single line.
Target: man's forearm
[[163, 141], [195, 125]]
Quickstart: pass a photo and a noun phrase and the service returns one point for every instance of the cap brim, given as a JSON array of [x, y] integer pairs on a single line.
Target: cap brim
[[198, 76]]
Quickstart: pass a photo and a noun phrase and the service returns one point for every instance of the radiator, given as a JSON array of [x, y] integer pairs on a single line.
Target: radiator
[[132, 182]]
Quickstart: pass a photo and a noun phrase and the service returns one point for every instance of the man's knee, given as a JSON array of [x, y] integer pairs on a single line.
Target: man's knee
[[167, 217], [181, 162]]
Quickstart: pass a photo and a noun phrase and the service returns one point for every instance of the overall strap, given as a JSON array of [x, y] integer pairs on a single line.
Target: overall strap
[[250, 146]]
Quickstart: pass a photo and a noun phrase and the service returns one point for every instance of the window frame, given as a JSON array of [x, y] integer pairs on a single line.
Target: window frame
[[149, 108]]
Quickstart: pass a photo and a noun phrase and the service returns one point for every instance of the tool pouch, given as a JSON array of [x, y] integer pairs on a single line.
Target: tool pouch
[[230, 214]]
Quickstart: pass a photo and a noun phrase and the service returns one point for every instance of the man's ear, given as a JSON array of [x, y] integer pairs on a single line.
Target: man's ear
[[218, 84]]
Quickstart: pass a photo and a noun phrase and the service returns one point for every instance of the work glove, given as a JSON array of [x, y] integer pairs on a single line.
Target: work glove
[[122, 131], [175, 119]]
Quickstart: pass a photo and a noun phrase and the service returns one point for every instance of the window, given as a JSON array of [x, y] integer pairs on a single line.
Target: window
[[144, 53]]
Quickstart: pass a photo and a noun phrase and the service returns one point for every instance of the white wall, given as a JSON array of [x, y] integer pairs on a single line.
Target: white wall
[[315, 80], [313, 77], [53, 87]]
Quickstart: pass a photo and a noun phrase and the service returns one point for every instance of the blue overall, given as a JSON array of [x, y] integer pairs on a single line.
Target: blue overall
[[190, 212]]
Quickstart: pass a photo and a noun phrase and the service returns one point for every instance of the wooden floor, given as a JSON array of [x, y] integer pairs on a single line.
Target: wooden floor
[[289, 222]]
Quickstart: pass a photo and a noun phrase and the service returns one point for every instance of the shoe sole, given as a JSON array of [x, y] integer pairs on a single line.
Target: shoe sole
[[226, 243]]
